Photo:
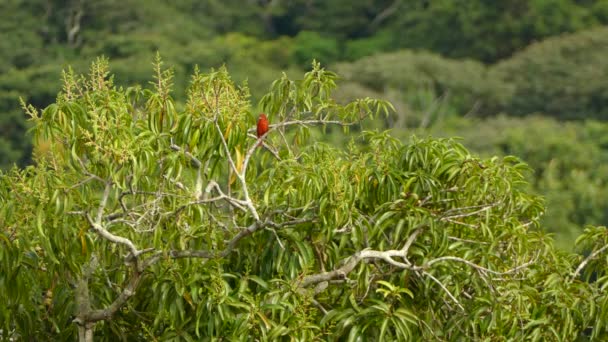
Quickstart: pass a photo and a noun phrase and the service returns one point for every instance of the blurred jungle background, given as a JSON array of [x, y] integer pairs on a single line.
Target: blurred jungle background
[[520, 77]]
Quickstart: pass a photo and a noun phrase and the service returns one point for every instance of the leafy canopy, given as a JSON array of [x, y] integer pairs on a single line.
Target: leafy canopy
[[148, 220]]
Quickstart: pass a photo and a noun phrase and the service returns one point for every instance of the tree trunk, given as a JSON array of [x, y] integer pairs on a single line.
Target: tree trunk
[[83, 303], [85, 332]]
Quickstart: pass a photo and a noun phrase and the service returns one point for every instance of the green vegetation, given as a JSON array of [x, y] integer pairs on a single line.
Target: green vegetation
[[146, 222], [562, 77], [257, 41], [465, 82], [490, 31], [523, 78], [569, 163]]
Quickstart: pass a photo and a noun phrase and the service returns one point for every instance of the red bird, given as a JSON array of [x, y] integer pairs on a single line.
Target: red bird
[[262, 126]]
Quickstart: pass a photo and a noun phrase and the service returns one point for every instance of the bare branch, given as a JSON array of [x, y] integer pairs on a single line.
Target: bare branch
[[99, 229], [104, 202], [239, 204], [178, 184], [286, 144], [447, 217], [460, 209], [240, 175], [119, 302], [285, 124], [318, 305], [202, 253], [199, 176], [350, 264], [225, 145], [411, 239], [587, 260], [338, 273], [73, 22], [353, 260], [194, 160], [466, 240], [82, 182], [481, 268], [460, 223], [129, 290], [250, 152], [289, 223], [444, 289], [309, 122], [267, 146], [274, 232]]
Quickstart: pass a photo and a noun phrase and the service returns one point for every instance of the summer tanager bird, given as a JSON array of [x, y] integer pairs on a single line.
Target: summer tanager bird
[[262, 126]]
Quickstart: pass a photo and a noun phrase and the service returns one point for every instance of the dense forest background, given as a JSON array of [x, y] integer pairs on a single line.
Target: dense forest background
[[521, 77]]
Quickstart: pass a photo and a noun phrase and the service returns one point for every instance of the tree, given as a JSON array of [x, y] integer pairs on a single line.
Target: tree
[[570, 164], [462, 84], [471, 29], [560, 76], [149, 221]]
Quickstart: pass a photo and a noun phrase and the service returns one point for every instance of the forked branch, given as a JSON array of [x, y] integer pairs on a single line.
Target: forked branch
[[389, 257]]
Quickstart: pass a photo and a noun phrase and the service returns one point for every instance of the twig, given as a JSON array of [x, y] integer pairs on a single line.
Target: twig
[[484, 208], [104, 202], [127, 292], [231, 245], [587, 260], [240, 175], [466, 240], [460, 223], [277, 237], [199, 177], [111, 237], [481, 268], [459, 209], [237, 203], [444, 289], [318, 305], [309, 122], [84, 181], [384, 14], [350, 264], [411, 239]]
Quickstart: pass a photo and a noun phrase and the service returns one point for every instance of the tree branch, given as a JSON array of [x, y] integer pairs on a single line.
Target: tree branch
[[99, 229], [239, 175], [119, 302], [587, 260], [411, 239], [130, 288], [230, 246], [444, 289], [197, 163], [237, 203], [338, 273], [351, 262], [481, 268], [447, 216], [103, 202], [308, 122]]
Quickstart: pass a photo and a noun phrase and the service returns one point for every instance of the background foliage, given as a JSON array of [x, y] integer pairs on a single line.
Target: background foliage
[[523, 78]]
